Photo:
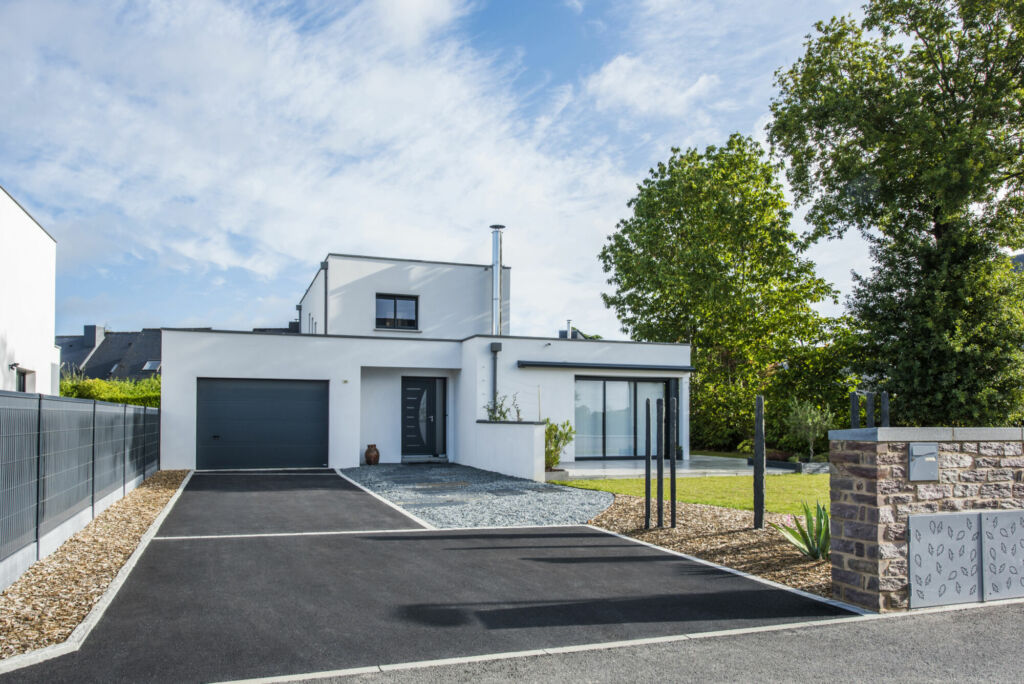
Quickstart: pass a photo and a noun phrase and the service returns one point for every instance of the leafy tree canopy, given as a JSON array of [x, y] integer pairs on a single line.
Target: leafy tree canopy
[[708, 257], [909, 122]]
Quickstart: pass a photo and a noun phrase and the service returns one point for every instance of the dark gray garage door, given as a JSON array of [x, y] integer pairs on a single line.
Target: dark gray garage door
[[261, 424]]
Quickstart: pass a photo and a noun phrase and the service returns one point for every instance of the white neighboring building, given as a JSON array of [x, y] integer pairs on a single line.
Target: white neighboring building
[[29, 361], [405, 355]]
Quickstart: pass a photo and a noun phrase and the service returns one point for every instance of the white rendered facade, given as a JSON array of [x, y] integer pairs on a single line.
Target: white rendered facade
[[29, 361], [366, 368]]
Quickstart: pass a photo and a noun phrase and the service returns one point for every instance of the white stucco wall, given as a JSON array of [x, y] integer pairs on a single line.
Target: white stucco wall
[[311, 315], [381, 406], [27, 300], [365, 386], [454, 299], [190, 355], [515, 449], [550, 392]]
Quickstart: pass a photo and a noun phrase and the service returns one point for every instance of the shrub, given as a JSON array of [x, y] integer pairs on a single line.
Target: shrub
[[556, 438], [138, 392], [496, 409], [815, 541]]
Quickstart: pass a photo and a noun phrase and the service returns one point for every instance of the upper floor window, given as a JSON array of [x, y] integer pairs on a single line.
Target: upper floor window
[[396, 311]]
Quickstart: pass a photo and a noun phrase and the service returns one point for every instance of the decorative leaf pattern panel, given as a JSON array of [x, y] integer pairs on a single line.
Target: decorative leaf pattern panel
[[945, 554], [1003, 554]]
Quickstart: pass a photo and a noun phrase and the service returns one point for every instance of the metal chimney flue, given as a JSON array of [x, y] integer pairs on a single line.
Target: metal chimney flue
[[496, 279]]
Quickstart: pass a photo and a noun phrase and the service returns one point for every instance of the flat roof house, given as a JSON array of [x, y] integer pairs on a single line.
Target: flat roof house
[[405, 354], [28, 358]]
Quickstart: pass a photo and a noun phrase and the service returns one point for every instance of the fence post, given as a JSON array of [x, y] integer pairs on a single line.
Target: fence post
[[39, 469], [759, 462], [673, 431], [885, 409], [869, 407], [854, 411], [93, 467], [124, 450], [661, 463], [647, 467]]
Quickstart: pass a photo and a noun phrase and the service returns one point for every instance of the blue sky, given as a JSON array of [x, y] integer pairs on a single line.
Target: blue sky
[[196, 160]]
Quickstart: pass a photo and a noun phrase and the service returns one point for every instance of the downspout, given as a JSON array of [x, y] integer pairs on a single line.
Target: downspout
[[323, 265], [495, 348]]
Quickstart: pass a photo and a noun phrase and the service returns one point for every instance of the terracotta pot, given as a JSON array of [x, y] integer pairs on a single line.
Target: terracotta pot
[[372, 456]]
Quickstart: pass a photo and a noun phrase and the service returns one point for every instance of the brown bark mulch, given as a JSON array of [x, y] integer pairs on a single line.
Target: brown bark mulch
[[724, 536], [46, 603]]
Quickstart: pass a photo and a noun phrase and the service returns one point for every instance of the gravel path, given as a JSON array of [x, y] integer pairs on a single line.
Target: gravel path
[[46, 603], [454, 495]]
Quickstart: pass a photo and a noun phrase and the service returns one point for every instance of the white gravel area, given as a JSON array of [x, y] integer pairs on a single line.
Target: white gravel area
[[452, 495]]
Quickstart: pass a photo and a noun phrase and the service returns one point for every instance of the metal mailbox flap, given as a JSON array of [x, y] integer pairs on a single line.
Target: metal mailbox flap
[[924, 461]]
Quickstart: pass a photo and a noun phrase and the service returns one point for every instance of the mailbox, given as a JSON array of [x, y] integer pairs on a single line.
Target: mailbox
[[924, 461]]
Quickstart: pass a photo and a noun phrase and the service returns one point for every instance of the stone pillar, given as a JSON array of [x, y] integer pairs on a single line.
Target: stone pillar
[[872, 497]]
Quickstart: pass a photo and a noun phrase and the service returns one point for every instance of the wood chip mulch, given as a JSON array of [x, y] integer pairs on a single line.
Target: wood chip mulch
[[46, 603], [724, 536]]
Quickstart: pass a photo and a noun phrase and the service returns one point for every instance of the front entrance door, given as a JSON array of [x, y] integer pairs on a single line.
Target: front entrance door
[[423, 416]]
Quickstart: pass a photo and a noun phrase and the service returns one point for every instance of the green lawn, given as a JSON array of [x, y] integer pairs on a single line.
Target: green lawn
[[783, 492]]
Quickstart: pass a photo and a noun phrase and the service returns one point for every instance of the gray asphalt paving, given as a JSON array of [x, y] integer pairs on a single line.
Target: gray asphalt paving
[[980, 644], [209, 609]]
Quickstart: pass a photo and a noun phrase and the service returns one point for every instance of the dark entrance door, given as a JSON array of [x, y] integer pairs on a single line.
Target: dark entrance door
[[423, 416]]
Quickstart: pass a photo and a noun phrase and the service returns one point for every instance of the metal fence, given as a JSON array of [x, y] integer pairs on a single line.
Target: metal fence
[[59, 456]]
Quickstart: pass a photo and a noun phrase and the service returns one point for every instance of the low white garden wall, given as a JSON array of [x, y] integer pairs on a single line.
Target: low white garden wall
[[509, 448]]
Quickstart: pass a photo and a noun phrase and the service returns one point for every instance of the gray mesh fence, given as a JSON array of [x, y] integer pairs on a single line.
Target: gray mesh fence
[[135, 439], [19, 421], [59, 455], [109, 467], [152, 441], [65, 453]]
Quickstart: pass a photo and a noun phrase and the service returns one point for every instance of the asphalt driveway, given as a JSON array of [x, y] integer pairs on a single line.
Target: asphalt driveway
[[325, 593]]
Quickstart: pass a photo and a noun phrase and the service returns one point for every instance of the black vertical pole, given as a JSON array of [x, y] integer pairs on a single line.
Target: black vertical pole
[[869, 407], [661, 463], [673, 440], [39, 470], [885, 409], [854, 411], [759, 464], [93, 458], [647, 467]]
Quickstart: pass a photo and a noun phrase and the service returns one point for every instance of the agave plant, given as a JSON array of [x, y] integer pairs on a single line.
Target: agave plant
[[815, 540]]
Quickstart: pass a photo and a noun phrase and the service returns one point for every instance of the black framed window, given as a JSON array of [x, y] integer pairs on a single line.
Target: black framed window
[[22, 381], [398, 312]]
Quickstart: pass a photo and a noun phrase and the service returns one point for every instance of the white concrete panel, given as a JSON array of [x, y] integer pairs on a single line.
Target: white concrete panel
[[52, 540], [107, 501], [454, 299], [27, 300], [311, 315], [515, 449], [14, 565]]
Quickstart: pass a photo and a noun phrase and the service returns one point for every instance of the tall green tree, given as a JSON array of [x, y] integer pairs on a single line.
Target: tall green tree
[[708, 257], [908, 127]]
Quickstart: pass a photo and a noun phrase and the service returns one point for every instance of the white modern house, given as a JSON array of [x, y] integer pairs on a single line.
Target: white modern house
[[406, 354], [29, 361]]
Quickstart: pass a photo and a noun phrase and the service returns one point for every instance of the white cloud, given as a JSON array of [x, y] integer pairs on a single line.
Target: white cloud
[[209, 136], [629, 82]]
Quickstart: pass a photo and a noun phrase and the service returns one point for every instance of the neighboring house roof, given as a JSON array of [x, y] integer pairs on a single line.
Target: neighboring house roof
[[119, 354]]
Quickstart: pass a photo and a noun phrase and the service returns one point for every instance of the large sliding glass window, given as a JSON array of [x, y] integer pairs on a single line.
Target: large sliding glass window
[[589, 419], [610, 417]]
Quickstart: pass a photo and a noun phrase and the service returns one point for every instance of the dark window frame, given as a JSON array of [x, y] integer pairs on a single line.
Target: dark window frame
[[383, 323], [670, 391]]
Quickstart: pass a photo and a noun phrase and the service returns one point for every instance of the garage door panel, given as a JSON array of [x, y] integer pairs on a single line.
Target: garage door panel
[[261, 423]]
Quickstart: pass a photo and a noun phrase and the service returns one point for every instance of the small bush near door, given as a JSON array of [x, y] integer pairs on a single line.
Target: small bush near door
[[556, 438]]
